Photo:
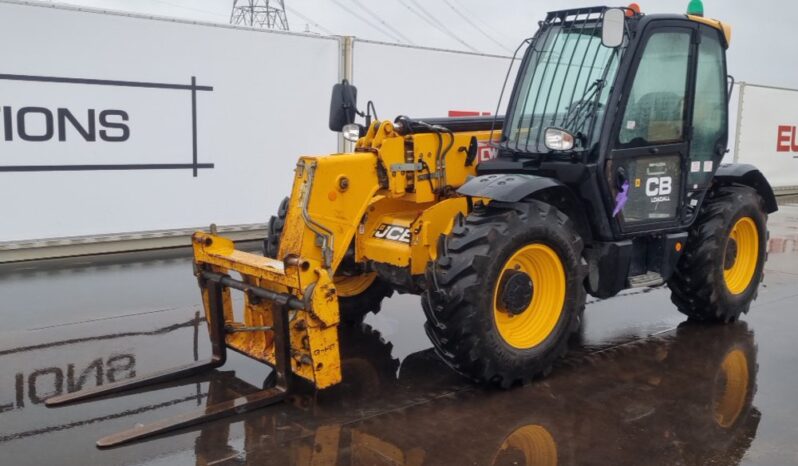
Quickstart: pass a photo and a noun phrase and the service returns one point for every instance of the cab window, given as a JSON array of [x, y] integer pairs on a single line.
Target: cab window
[[655, 109], [710, 109]]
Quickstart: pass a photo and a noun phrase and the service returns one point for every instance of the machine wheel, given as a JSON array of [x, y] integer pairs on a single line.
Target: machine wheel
[[357, 294], [506, 292], [368, 368], [720, 270]]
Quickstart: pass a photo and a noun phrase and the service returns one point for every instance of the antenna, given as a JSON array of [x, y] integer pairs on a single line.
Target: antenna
[[268, 14]]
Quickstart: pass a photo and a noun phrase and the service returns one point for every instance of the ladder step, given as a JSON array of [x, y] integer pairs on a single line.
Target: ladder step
[[645, 280]]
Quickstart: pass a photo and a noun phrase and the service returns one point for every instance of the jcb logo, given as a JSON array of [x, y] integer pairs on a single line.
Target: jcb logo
[[659, 186], [393, 233]]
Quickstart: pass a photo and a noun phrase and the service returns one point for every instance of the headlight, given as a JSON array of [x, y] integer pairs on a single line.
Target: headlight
[[351, 132], [559, 139]]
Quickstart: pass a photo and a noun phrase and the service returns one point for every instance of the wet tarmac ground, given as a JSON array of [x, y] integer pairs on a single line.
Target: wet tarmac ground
[[640, 386]]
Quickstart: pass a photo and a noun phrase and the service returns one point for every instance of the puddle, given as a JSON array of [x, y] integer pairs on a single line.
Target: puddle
[[640, 386]]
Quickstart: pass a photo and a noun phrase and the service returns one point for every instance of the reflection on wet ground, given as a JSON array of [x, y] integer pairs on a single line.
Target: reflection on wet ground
[[641, 386]]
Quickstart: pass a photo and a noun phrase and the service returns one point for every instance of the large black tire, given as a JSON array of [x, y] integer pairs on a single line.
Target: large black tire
[[353, 309], [368, 368], [460, 303], [698, 287], [271, 244]]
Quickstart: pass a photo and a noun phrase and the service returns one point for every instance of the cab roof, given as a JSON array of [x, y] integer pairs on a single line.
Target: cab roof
[[722, 27], [587, 14]]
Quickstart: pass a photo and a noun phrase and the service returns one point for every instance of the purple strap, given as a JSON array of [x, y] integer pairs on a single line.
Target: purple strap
[[621, 198]]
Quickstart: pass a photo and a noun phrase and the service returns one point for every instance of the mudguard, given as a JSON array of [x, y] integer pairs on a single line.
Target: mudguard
[[748, 175], [514, 187], [507, 187]]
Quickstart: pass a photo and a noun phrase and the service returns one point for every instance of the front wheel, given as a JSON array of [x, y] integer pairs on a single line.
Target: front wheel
[[358, 294], [719, 272], [506, 292]]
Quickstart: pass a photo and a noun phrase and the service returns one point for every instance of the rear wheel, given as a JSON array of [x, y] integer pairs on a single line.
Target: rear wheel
[[358, 294], [506, 292], [531, 444], [719, 272]]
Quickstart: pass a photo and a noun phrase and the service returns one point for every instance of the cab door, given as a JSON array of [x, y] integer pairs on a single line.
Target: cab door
[[650, 143]]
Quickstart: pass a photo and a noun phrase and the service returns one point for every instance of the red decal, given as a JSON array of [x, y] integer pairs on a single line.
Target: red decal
[[465, 113], [486, 152], [785, 140]]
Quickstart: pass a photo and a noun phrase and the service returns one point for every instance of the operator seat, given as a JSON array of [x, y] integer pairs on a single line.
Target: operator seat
[[658, 117]]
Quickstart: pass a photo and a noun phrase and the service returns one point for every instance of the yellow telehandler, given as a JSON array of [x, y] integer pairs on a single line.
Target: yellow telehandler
[[604, 174]]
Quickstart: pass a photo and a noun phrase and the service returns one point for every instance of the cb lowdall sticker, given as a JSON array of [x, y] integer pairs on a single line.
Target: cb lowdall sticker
[[397, 233], [658, 184], [655, 188]]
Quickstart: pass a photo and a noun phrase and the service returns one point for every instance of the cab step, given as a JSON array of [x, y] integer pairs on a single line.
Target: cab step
[[645, 280]]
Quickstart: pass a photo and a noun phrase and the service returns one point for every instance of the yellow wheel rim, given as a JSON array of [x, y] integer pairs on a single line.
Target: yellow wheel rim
[[534, 442], [353, 286], [734, 390], [739, 273], [534, 324]]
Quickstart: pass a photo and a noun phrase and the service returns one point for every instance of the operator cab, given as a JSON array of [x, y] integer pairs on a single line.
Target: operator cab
[[641, 100]]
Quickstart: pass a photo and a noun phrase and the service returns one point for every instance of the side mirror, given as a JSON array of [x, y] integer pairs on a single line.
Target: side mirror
[[612, 27], [343, 105]]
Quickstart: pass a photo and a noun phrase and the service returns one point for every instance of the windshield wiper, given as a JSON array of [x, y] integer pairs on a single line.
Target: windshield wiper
[[590, 99]]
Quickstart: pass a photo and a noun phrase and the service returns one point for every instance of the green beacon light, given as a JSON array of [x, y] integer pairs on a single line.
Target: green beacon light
[[695, 8]]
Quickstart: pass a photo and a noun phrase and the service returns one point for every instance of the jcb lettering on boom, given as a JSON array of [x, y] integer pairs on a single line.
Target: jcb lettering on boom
[[393, 233]]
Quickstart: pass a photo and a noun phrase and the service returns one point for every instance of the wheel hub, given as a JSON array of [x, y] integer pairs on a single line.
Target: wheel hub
[[525, 316], [516, 292], [731, 254]]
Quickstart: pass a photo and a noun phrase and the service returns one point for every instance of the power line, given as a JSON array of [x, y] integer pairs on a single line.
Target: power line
[[426, 20], [476, 26], [310, 21], [434, 22], [429, 21], [473, 15], [394, 34], [366, 20], [379, 18]]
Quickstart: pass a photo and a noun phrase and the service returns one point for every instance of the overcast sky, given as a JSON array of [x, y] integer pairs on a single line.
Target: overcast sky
[[761, 50]]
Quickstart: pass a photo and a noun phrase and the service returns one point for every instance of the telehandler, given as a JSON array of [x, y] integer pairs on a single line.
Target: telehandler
[[604, 174]]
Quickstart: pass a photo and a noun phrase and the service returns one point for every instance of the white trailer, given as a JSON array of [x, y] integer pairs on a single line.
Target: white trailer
[[122, 132], [766, 137]]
